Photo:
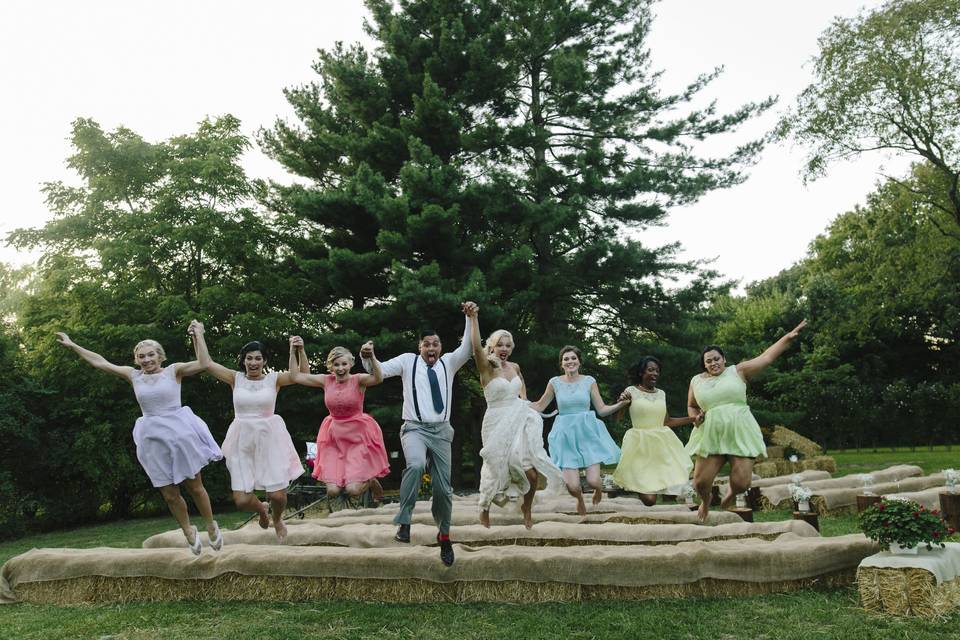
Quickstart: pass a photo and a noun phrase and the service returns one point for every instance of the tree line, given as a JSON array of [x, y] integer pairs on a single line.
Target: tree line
[[484, 150]]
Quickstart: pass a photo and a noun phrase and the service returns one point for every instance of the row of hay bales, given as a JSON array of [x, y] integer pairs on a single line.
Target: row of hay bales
[[620, 550]]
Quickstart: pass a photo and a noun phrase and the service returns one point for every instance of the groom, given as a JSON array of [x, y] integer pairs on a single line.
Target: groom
[[427, 393]]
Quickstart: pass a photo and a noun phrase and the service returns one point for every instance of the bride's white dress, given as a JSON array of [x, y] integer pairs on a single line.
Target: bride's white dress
[[512, 435]]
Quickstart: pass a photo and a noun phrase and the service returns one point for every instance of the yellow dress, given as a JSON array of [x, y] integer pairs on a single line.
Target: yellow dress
[[653, 457]]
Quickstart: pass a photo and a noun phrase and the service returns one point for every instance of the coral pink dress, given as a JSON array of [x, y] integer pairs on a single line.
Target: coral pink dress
[[350, 443]]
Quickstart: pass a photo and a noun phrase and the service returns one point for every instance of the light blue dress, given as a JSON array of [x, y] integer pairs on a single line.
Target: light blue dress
[[578, 438]]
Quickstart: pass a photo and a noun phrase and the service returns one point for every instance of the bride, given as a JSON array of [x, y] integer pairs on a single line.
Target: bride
[[514, 459]]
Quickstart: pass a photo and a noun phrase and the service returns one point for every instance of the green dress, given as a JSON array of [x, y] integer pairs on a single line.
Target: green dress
[[728, 427]]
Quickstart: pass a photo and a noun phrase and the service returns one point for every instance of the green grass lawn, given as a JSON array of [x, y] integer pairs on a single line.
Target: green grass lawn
[[853, 461], [808, 615]]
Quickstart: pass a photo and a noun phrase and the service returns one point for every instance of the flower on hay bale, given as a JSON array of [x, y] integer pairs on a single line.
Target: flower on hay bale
[[903, 522]]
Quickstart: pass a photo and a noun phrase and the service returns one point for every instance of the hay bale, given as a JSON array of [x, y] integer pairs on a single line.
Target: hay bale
[[819, 463], [775, 452], [907, 591], [766, 469], [784, 437], [415, 574]]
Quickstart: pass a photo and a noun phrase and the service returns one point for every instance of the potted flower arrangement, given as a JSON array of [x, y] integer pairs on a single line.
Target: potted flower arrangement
[[902, 525], [951, 479], [687, 493], [801, 495]]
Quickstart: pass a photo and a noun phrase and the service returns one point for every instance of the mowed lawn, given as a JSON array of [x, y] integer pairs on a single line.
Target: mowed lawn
[[808, 615]]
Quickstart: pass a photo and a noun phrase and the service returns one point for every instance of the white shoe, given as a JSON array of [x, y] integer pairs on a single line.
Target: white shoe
[[216, 542], [195, 547]]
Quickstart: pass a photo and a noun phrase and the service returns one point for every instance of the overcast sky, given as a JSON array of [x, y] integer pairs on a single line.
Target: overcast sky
[[160, 67]]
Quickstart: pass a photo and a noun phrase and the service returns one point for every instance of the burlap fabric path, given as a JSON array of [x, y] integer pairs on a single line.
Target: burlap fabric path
[[809, 475], [778, 496], [827, 501], [929, 498], [414, 574], [564, 504], [545, 534]]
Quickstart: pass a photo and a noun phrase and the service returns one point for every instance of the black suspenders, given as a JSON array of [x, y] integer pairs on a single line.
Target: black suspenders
[[413, 385]]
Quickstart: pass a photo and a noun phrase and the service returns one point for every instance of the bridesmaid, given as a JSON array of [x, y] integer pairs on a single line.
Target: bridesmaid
[[729, 431], [513, 456], [259, 451], [350, 451], [653, 456], [578, 440], [173, 444]]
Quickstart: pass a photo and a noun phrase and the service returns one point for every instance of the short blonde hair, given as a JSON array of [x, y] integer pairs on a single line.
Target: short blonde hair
[[336, 353], [150, 343], [491, 343]]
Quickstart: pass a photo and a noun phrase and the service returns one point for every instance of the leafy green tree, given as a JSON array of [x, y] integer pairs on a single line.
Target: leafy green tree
[[889, 79], [879, 363], [153, 235]]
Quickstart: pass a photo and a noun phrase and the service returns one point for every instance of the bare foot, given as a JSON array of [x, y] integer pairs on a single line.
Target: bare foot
[[485, 518], [527, 511], [581, 508], [703, 511], [727, 500], [264, 515], [376, 490], [281, 530], [597, 496]]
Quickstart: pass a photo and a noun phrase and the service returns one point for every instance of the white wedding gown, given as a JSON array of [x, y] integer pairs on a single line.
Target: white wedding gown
[[512, 435]]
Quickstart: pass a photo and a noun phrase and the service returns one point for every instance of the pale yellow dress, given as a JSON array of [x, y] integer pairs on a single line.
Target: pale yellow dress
[[653, 457]]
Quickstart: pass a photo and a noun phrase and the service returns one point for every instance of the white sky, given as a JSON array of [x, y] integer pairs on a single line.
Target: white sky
[[160, 67]]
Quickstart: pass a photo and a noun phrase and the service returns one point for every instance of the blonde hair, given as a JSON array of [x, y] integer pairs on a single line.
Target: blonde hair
[[150, 343], [491, 343], [338, 352]]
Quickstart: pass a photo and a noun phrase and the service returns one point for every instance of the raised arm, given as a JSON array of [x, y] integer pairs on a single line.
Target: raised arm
[[390, 368], [292, 375], [479, 353], [96, 360], [545, 400], [679, 422], [193, 367], [751, 368], [299, 366], [601, 407], [461, 354], [375, 376], [218, 371]]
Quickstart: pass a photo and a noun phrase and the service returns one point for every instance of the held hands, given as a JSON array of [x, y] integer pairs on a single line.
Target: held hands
[[296, 342], [698, 420], [625, 397], [470, 309], [195, 329], [366, 351]]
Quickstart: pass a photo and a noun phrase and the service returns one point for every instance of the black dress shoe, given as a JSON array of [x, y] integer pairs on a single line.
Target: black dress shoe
[[403, 533], [446, 551]]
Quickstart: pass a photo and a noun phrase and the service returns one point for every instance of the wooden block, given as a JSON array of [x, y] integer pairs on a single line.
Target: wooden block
[[865, 501], [715, 500], [809, 517], [745, 513], [950, 509], [753, 498]]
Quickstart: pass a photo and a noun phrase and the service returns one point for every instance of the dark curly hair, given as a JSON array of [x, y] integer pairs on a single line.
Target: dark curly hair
[[636, 371]]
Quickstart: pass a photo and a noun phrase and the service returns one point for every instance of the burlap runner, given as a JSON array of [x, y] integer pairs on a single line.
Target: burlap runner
[[832, 500], [789, 557], [778, 496], [929, 498], [309, 533], [565, 504], [810, 475]]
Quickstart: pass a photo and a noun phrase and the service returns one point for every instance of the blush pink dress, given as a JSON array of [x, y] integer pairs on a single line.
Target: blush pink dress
[[350, 443]]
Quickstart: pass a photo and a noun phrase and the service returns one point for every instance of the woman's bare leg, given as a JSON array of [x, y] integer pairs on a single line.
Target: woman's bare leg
[[527, 507], [571, 478], [594, 480], [704, 472]]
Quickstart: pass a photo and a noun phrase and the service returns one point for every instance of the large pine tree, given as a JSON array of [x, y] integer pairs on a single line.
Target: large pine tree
[[508, 151]]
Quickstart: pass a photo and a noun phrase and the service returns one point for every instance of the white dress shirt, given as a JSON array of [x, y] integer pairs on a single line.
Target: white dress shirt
[[411, 365]]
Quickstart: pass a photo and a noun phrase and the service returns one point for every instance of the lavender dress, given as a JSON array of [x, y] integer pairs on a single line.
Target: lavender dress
[[172, 443]]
